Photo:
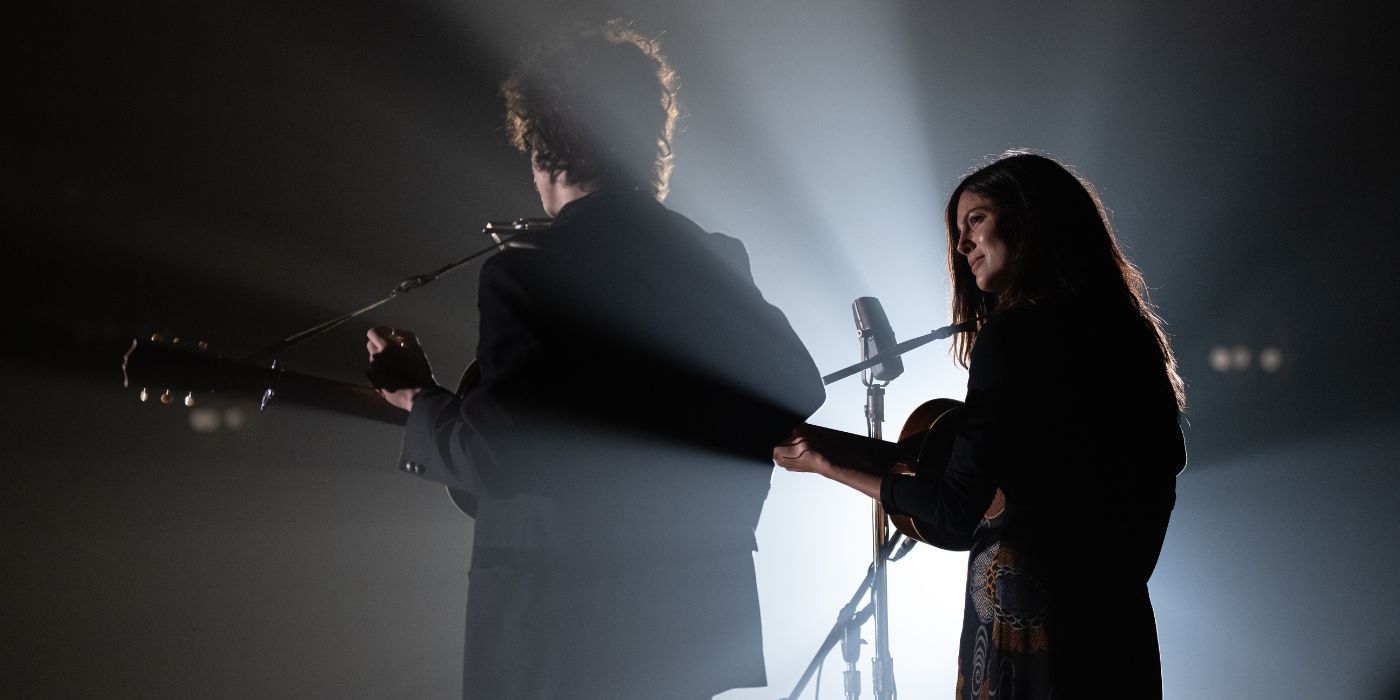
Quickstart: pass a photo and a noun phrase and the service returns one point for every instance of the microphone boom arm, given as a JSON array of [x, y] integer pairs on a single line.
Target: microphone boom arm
[[895, 351], [494, 229]]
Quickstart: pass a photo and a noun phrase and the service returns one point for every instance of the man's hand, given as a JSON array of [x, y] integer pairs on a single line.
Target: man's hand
[[397, 366]]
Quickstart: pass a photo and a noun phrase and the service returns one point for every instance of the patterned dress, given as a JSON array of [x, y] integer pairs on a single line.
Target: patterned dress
[[1005, 651]]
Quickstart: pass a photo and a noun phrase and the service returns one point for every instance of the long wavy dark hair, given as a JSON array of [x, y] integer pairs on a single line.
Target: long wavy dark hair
[[1059, 243], [599, 107]]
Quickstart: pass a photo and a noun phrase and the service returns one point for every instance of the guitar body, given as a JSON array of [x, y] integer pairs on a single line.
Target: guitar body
[[929, 431], [928, 435]]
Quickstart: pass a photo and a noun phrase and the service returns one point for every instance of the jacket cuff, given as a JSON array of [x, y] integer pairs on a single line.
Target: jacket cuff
[[418, 455], [890, 486]]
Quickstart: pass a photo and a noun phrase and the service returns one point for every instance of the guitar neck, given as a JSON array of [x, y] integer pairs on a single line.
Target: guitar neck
[[180, 369], [859, 451], [332, 395]]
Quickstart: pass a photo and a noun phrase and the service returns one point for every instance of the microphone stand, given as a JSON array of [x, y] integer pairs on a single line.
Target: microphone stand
[[848, 622], [846, 630], [881, 664]]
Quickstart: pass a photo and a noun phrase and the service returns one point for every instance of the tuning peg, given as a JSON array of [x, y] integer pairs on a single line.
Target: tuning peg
[[202, 345], [166, 397], [177, 340], [156, 337], [189, 399], [144, 396]]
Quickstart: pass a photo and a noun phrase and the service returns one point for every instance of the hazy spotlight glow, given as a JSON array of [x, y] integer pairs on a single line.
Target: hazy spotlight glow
[[235, 418], [204, 420], [1240, 358], [1220, 358], [1271, 359], [844, 201]]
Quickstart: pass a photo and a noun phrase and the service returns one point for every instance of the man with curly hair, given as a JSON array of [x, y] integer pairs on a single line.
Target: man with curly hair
[[632, 383]]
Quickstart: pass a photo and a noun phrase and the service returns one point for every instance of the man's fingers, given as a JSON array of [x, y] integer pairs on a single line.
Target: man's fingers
[[381, 337], [377, 339]]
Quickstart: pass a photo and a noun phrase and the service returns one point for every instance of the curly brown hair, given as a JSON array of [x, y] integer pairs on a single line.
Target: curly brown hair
[[599, 108]]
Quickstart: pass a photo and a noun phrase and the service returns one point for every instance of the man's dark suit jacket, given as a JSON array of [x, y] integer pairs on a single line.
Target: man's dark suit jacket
[[633, 383]]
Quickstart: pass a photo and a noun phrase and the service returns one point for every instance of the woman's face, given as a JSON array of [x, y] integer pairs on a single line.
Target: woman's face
[[980, 242]]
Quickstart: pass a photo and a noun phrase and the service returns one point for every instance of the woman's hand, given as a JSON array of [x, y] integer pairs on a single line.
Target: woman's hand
[[798, 455]]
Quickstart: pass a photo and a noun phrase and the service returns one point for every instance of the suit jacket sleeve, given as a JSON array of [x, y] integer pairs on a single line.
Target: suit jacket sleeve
[[455, 441], [785, 386]]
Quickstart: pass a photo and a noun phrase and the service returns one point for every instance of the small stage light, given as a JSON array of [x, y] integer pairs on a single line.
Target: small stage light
[[1240, 358], [1220, 358], [1271, 359], [204, 420], [235, 418]]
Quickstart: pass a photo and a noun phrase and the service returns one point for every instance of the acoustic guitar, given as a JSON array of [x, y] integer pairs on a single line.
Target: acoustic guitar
[[925, 445]]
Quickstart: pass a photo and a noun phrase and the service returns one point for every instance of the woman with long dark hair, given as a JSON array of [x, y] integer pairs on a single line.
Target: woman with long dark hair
[[1062, 474]]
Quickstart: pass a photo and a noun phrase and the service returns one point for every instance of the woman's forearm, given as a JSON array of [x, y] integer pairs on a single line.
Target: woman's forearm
[[864, 482], [798, 456]]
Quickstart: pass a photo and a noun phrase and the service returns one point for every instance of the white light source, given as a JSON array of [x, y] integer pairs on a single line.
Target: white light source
[[235, 418], [1271, 359], [204, 420], [1240, 357], [1220, 358]]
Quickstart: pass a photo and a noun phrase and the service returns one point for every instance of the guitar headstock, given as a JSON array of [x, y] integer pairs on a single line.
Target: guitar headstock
[[168, 369]]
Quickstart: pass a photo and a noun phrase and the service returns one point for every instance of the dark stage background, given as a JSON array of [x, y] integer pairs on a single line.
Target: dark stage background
[[235, 172]]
